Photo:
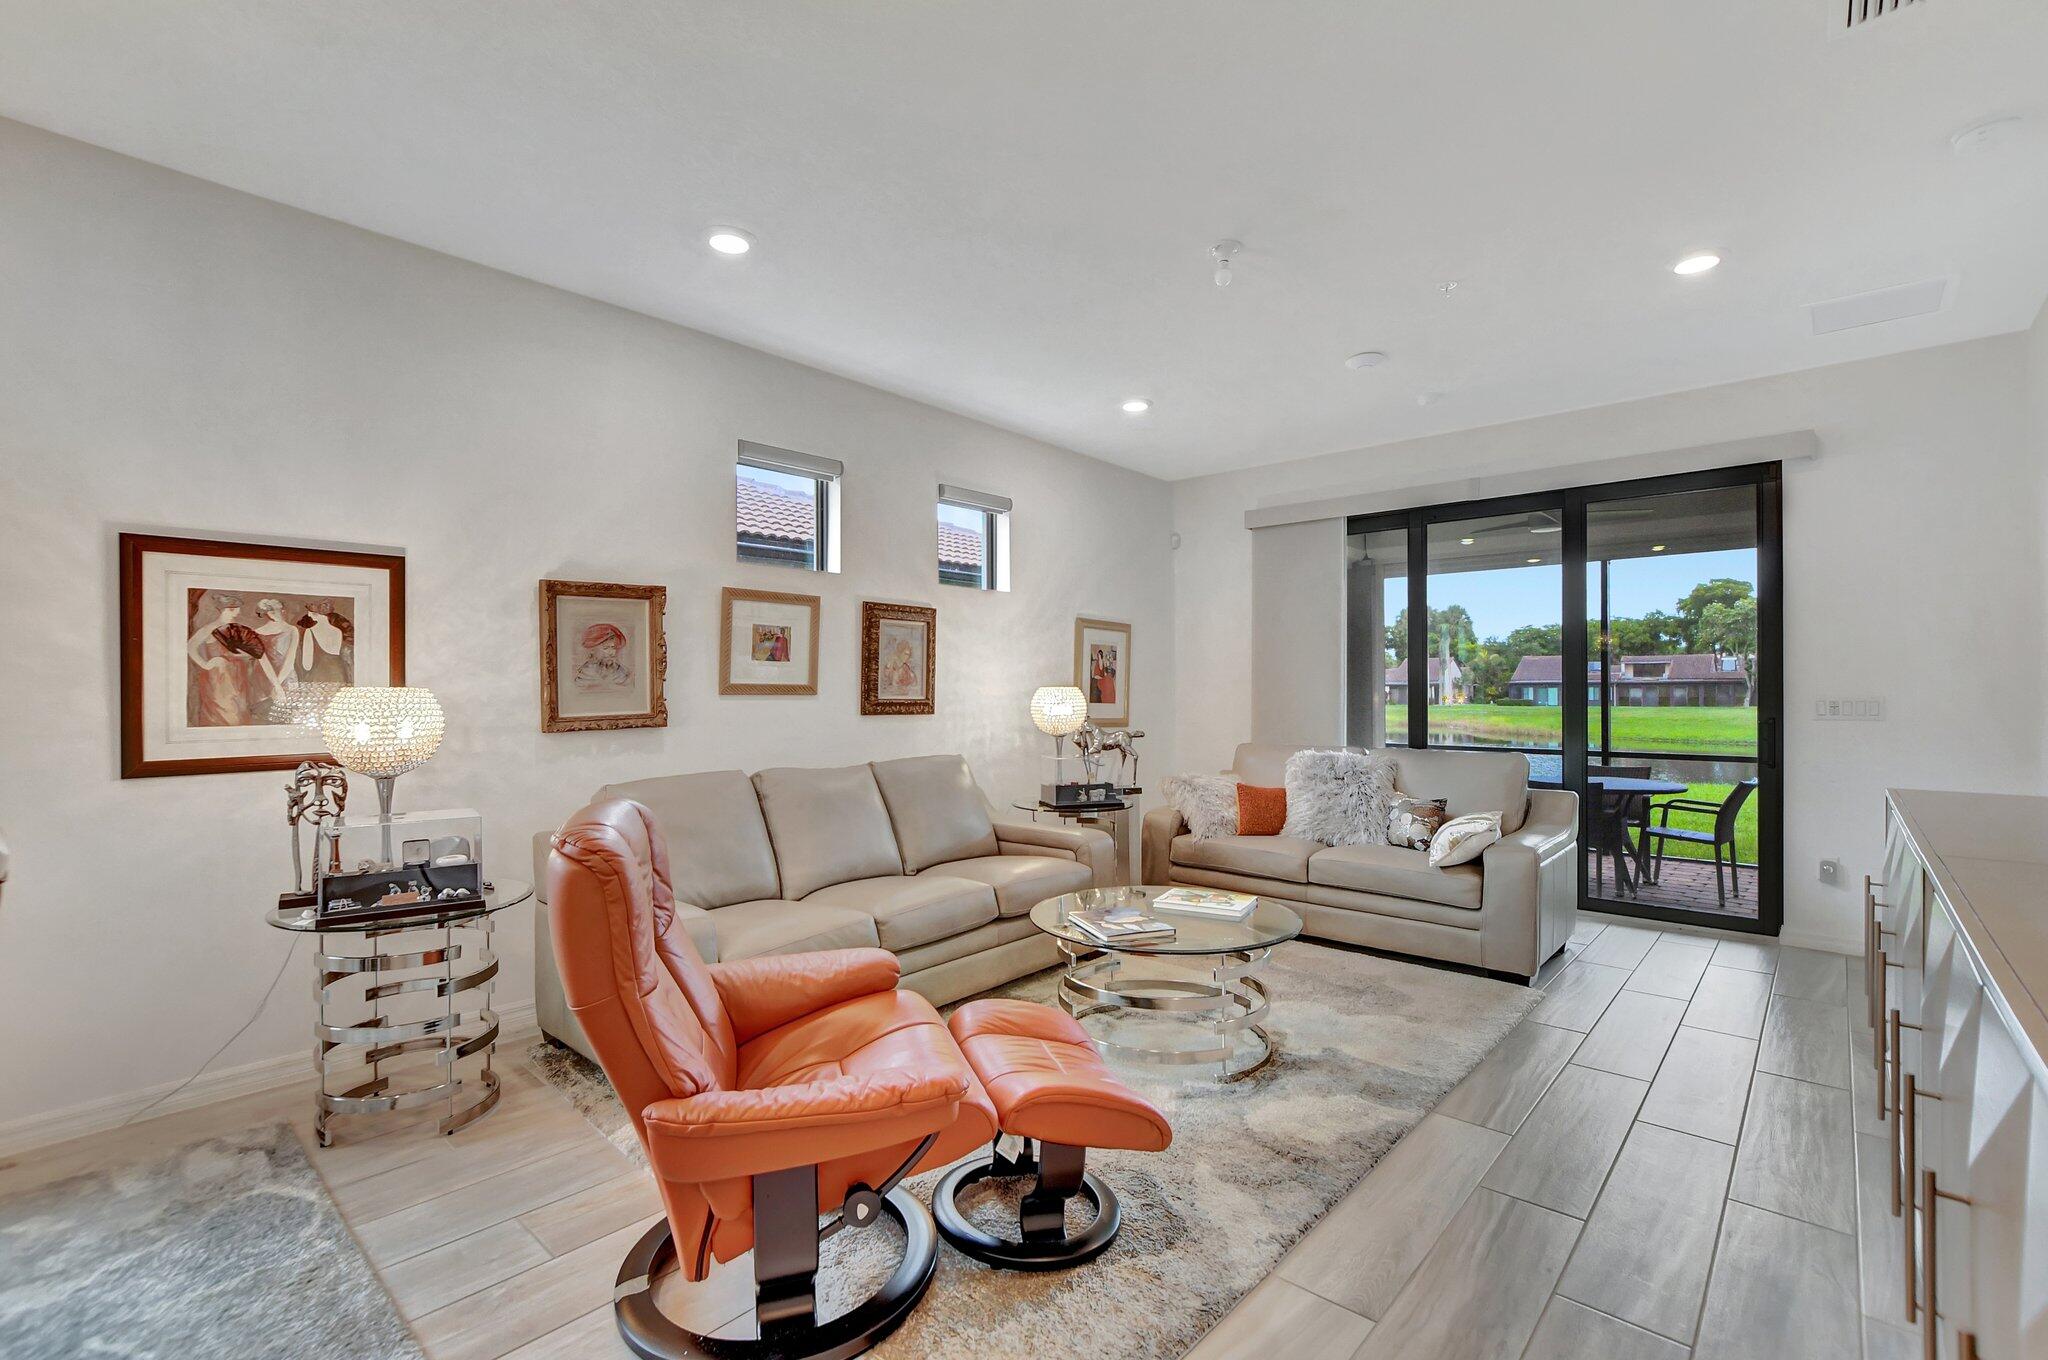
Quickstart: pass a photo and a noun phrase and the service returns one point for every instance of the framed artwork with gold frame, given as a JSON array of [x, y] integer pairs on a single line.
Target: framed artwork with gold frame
[[603, 656], [899, 658], [767, 642], [230, 650], [1102, 668]]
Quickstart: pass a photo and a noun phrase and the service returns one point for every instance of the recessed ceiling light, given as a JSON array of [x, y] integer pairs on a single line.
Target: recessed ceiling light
[[1372, 358], [1696, 264], [1656, 547], [1534, 560], [729, 241], [1466, 541], [1547, 529], [1137, 406]]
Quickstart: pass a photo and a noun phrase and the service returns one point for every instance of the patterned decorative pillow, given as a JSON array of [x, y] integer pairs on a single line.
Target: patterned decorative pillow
[[1463, 838], [1261, 812], [1414, 821], [1338, 797], [1206, 802]]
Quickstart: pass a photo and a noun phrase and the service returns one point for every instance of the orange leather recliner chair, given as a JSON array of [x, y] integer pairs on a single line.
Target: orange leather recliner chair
[[764, 1091]]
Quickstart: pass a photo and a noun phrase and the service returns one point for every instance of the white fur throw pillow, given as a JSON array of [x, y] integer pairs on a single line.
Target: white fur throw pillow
[[1463, 838], [1206, 802], [1338, 797]]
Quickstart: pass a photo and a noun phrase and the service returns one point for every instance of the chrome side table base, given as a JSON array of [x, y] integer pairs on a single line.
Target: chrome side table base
[[1213, 1013]]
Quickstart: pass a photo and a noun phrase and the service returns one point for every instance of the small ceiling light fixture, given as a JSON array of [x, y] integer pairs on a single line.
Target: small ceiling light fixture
[[1656, 547], [729, 241], [1372, 358], [1698, 263], [1466, 541], [1137, 406], [1534, 561], [1222, 253]]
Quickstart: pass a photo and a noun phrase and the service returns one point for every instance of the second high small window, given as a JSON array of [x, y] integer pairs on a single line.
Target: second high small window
[[974, 539]]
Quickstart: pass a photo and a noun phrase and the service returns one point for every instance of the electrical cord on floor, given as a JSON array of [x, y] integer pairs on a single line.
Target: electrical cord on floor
[[268, 992]]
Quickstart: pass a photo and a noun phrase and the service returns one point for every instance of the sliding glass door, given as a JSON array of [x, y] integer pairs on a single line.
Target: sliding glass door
[[1655, 696]]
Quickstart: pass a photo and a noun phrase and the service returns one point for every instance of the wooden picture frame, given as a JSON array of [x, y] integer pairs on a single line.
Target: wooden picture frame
[[611, 641], [774, 619], [899, 658], [241, 689], [1096, 642]]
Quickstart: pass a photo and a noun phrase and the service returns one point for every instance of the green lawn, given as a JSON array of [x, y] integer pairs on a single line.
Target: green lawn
[[1723, 731]]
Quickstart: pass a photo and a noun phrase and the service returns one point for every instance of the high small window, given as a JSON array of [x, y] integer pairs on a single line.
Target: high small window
[[787, 507], [974, 539]]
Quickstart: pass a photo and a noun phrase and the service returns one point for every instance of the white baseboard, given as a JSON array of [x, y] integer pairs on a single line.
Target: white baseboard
[[229, 1083], [1824, 941]]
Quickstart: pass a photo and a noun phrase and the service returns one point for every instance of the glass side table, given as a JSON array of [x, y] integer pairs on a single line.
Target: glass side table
[[1115, 818], [399, 1018]]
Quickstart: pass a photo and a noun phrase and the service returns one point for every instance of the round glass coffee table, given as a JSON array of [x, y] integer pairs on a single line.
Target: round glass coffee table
[[1195, 999]]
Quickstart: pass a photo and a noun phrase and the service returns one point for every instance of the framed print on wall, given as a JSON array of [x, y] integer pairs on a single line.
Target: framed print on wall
[[230, 651], [603, 656], [1102, 668], [768, 642], [899, 652]]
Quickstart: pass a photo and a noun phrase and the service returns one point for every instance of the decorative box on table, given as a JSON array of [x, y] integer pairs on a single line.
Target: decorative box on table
[[403, 864]]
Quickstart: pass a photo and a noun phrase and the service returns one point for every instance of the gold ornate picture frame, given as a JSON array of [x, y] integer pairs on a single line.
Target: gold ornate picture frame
[[603, 656], [899, 658], [767, 642]]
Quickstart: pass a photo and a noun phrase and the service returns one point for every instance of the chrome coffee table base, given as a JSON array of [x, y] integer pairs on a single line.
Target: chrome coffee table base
[[1214, 1012]]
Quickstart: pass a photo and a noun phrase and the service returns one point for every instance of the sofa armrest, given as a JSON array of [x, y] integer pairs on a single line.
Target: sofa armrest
[[722, 1135], [1530, 887], [1162, 824], [1087, 845], [763, 993]]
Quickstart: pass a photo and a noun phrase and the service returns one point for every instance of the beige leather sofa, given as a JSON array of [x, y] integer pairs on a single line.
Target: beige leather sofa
[[903, 854], [1506, 912]]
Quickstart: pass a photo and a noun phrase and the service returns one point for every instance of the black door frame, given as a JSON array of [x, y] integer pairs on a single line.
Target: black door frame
[[1572, 503]]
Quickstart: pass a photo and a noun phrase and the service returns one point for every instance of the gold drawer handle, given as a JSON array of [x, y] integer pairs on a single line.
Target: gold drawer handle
[[1930, 1335], [1905, 1164]]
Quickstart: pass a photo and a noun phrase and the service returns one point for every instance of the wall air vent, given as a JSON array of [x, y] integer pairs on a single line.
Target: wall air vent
[[1861, 12]]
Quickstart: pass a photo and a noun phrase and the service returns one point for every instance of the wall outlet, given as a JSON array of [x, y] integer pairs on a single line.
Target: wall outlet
[[1831, 872], [1849, 710]]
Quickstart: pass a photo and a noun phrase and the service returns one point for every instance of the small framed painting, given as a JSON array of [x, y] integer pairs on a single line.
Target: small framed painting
[[1102, 668], [899, 649], [603, 656], [768, 643], [230, 651]]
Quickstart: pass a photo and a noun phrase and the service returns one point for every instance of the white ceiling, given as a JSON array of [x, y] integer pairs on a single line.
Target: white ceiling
[[1005, 208]]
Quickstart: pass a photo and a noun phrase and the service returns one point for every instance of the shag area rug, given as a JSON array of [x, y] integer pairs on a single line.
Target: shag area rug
[[228, 1247], [1365, 1046]]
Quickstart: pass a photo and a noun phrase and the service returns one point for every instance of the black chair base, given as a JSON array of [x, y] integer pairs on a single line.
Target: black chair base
[[1044, 1243], [651, 1335]]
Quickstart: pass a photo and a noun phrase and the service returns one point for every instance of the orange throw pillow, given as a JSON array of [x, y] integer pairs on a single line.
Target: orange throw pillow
[[1260, 812]]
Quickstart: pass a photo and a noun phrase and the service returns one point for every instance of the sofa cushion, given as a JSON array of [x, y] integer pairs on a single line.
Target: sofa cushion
[[828, 826], [912, 911], [1021, 882], [1277, 857], [937, 810], [1395, 871], [718, 849], [747, 930]]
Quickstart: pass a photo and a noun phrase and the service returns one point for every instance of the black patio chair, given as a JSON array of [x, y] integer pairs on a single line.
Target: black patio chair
[[1608, 831], [1724, 814]]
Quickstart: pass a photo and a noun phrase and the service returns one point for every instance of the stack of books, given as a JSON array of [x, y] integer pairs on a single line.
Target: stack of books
[[1215, 902], [1121, 925]]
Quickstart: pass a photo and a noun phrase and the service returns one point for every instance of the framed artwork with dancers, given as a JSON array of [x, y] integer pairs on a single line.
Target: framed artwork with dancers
[[230, 651], [603, 656], [1102, 668]]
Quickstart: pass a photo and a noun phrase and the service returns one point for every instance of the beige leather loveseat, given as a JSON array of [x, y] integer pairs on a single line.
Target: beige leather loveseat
[[903, 854], [1507, 912]]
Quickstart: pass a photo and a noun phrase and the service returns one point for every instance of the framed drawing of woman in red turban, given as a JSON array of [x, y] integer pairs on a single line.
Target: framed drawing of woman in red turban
[[603, 656]]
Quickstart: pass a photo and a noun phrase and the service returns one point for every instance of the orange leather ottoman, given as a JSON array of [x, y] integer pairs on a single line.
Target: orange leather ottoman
[[1049, 1087]]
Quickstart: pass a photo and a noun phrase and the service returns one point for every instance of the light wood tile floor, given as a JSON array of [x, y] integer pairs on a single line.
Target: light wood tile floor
[[1662, 1185]]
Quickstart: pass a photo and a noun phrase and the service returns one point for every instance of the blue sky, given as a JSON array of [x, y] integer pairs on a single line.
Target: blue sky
[[1502, 601]]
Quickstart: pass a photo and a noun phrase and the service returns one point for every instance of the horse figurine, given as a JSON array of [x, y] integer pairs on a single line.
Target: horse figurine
[[1120, 740]]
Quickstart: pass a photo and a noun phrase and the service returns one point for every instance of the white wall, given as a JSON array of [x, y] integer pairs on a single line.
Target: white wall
[[175, 355], [1913, 571]]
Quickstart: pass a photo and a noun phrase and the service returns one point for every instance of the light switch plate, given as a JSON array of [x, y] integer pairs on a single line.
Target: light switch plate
[[1849, 710]]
